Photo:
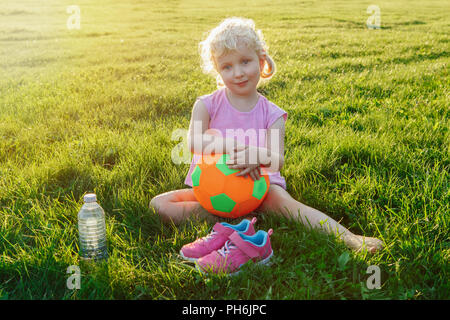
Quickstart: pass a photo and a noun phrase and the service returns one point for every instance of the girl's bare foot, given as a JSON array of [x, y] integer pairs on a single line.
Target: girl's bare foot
[[359, 243]]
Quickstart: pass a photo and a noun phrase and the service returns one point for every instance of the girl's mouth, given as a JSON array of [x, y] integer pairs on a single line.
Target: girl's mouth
[[241, 84]]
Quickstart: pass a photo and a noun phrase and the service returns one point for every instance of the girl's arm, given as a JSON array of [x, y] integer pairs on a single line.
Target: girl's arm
[[273, 156], [271, 160], [199, 140]]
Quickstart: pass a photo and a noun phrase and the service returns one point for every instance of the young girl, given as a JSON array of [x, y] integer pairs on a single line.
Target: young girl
[[236, 53]]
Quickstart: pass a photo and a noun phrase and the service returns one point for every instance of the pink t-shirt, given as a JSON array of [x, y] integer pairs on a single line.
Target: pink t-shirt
[[224, 117]]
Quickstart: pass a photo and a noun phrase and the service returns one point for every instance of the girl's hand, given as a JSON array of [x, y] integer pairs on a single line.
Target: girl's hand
[[245, 159], [255, 174], [252, 170], [244, 155]]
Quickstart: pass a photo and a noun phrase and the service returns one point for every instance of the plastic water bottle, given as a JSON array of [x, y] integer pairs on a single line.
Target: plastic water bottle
[[92, 229]]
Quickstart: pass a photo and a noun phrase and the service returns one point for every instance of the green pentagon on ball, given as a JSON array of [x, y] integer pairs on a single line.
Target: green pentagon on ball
[[222, 166], [223, 203], [196, 176], [259, 188]]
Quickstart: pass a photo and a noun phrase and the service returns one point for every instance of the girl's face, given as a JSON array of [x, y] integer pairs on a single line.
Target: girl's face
[[240, 70]]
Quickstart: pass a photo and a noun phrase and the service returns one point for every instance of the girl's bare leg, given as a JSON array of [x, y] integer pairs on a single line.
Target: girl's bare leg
[[178, 205], [279, 200]]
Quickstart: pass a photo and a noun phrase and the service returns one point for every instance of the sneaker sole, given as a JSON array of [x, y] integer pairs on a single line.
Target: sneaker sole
[[265, 262], [187, 258]]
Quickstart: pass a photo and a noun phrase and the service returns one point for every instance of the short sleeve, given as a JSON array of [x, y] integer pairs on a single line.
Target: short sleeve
[[274, 113], [207, 101]]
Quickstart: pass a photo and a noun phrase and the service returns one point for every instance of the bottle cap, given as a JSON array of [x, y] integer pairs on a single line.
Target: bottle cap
[[90, 197]]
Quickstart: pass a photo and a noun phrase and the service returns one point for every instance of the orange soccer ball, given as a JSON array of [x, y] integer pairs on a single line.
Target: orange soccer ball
[[221, 192]]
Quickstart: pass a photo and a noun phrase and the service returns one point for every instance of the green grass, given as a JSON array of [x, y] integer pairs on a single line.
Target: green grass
[[367, 142]]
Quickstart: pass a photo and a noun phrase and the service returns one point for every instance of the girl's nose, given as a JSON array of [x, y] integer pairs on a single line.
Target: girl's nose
[[238, 72]]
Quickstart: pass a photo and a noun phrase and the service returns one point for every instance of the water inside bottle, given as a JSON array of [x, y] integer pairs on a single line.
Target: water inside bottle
[[92, 231]]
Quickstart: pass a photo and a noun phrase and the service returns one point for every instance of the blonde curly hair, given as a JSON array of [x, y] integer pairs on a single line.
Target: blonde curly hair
[[225, 38]]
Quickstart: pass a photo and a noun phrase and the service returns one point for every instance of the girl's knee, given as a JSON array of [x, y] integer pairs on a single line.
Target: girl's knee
[[166, 216], [155, 204], [168, 210], [276, 198]]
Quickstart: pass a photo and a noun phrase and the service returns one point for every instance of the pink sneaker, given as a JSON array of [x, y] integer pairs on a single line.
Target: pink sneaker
[[216, 239], [238, 250]]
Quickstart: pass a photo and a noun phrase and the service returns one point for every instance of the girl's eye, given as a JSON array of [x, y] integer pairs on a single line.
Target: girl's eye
[[246, 61]]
